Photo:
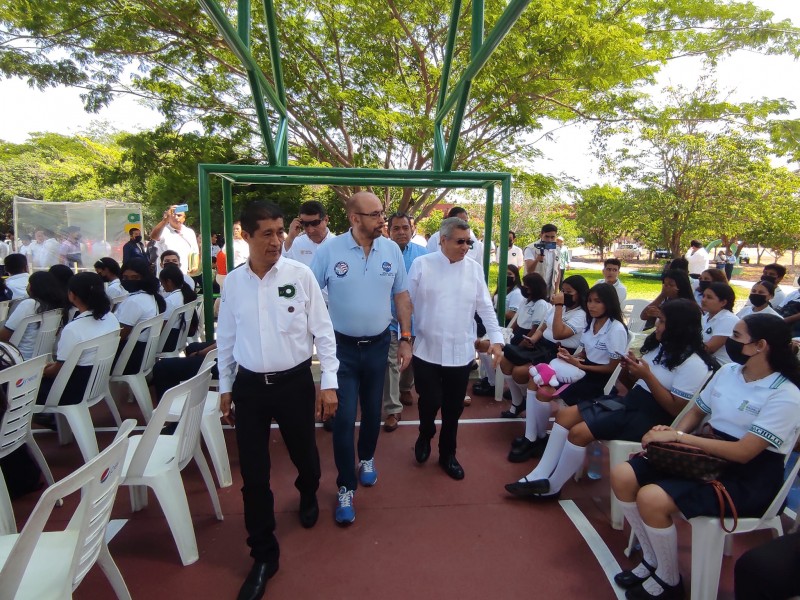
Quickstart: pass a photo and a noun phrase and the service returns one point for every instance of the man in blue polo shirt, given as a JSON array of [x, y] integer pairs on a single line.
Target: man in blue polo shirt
[[362, 272]]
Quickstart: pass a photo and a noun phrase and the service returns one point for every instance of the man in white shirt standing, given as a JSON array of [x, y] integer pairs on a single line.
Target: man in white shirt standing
[[543, 257], [698, 259], [611, 267], [241, 251], [514, 252], [446, 291], [271, 315], [171, 233], [44, 250], [475, 251], [307, 232]]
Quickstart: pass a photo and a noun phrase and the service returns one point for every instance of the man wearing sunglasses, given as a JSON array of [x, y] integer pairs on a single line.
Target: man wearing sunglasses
[[363, 272], [475, 251], [307, 232]]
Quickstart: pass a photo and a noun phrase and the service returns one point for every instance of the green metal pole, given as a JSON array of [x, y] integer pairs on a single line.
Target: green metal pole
[[487, 231], [452, 31], [274, 50], [505, 214], [205, 232], [227, 208], [243, 22]]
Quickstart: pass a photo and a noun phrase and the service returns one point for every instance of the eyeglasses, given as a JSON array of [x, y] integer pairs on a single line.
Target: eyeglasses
[[468, 242], [375, 214], [313, 223]]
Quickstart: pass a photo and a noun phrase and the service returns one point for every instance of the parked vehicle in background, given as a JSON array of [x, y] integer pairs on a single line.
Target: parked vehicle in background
[[662, 253], [744, 257], [628, 252]]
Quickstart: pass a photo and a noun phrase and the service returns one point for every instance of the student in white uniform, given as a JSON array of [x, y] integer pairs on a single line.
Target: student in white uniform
[[87, 293], [17, 271], [707, 277], [673, 366], [718, 320], [754, 406], [110, 271], [760, 300], [44, 295], [515, 253], [176, 294], [142, 302], [611, 268], [562, 328]]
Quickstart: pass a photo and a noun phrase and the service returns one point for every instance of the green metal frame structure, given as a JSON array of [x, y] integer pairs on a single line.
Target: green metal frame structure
[[278, 172]]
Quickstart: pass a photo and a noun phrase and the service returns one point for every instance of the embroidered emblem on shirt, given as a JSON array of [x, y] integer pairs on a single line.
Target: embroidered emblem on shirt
[[341, 268], [287, 291], [386, 266], [708, 331]]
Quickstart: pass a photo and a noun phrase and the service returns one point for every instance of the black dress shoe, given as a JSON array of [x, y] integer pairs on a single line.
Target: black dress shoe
[[327, 424], [528, 488], [671, 592], [256, 581], [527, 450], [628, 579], [451, 467], [483, 389], [518, 441], [309, 510], [422, 449], [507, 394], [512, 414]]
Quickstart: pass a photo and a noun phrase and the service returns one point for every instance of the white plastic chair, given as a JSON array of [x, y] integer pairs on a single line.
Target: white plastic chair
[[35, 565], [4, 306], [709, 540], [77, 415], [156, 461], [49, 322], [210, 428], [620, 450], [137, 382], [186, 311], [631, 309], [200, 334], [22, 383]]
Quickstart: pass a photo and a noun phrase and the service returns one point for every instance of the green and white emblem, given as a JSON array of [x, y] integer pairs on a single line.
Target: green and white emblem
[[287, 291]]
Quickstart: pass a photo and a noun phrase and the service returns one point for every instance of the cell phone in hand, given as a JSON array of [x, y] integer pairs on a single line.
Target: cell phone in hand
[[526, 337], [181, 208]]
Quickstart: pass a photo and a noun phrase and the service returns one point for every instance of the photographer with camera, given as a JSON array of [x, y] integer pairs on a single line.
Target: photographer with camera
[[543, 257]]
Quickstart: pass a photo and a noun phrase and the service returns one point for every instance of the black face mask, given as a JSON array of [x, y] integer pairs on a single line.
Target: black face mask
[[525, 293], [757, 300], [703, 285], [770, 278], [510, 281], [132, 285], [734, 350], [137, 239], [569, 301]]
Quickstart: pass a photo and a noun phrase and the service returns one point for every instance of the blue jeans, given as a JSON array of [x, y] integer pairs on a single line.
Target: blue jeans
[[361, 372]]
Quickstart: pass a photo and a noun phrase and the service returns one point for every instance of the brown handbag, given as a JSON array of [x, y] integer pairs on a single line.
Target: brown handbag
[[690, 462]]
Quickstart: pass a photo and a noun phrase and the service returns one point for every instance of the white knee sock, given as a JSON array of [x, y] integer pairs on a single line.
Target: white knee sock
[[665, 547], [541, 411], [571, 460], [488, 369], [631, 513], [532, 430], [552, 454], [517, 395]]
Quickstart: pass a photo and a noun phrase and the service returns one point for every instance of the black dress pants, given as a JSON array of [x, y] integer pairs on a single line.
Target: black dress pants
[[291, 402], [440, 387], [769, 572]]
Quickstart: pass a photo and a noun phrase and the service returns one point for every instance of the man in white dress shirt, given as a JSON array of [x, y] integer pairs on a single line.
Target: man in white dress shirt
[[475, 251], [271, 316], [241, 251], [171, 233], [44, 250], [307, 232], [514, 252], [447, 289], [698, 259]]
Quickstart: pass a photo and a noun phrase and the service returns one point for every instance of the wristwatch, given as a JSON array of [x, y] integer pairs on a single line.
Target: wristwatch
[[405, 338]]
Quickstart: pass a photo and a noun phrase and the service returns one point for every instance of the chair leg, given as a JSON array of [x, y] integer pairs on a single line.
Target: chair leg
[[200, 459], [138, 494], [112, 407], [8, 524], [708, 540], [64, 432], [112, 573], [617, 518], [632, 541], [36, 454], [211, 428], [171, 494], [80, 421], [141, 392]]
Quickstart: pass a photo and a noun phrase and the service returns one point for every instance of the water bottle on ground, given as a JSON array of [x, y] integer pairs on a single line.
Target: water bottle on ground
[[594, 466]]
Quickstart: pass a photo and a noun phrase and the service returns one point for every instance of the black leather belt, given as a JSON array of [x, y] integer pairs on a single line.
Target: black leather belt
[[276, 376], [359, 341]]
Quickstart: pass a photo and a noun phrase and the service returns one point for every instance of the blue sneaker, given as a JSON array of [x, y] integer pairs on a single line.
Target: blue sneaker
[[345, 513], [367, 474]]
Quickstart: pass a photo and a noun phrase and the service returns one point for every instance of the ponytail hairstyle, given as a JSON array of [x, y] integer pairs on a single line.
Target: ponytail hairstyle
[[110, 265], [47, 292], [150, 284], [173, 274], [91, 290], [773, 330]]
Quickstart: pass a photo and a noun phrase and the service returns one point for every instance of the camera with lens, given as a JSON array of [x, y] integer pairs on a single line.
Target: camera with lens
[[542, 246]]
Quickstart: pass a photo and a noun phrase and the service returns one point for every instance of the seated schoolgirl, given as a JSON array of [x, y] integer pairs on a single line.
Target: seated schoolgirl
[[718, 320], [708, 277], [176, 293], [673, 366], [760, 300], [754, 407], [674, 284]]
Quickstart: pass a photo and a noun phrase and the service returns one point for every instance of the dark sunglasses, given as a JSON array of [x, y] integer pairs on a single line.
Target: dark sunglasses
[[469, 243], [313, 223]]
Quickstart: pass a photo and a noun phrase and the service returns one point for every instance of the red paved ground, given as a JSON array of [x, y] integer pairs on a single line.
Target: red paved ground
[[418, 534]]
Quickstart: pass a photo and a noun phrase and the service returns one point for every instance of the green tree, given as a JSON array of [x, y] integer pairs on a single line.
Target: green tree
[[362, 77], [601, 212]]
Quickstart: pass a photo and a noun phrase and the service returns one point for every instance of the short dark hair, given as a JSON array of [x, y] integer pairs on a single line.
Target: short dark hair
[[455, 211], [612, 261], [512, 234], [779, 269], [724, 292], [132, 229], [312, 207], [168, 253], [16, 264], [680, 264], [109, 263], [258, 210], [695, 244], [549, 227], [399, 215]]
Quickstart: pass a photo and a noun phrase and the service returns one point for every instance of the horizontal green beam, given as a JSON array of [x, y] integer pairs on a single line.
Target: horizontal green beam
[[355, 181], [496, 35], [335, 172]]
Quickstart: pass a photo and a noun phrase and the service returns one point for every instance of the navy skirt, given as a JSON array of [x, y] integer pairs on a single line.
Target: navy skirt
[[640, 414], [591, 386], [752, 486], [73, 391]]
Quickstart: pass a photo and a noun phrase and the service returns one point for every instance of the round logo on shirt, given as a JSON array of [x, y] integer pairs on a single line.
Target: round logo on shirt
[[287, 291], [708, 331], [341, 268], [386, 266]]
